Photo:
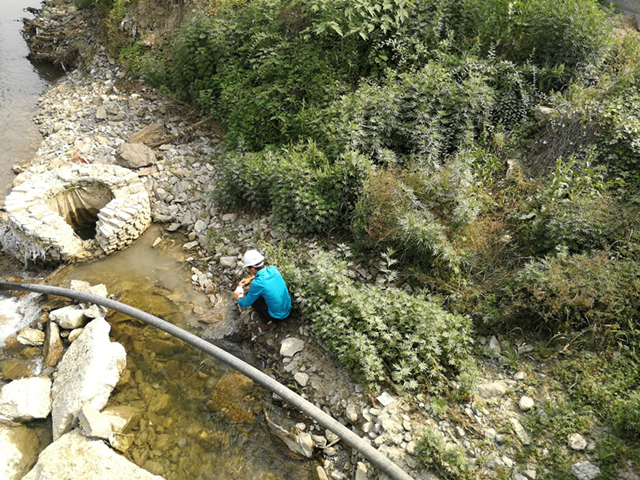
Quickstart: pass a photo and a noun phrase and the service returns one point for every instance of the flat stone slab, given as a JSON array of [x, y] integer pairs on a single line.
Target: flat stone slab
[[87, 374], [290, 346], [80, 458]]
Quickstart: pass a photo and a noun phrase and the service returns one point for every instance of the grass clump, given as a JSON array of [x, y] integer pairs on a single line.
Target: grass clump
[[447, 460]]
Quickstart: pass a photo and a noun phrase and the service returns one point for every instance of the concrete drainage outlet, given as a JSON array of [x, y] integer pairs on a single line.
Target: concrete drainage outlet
[[76, 212]]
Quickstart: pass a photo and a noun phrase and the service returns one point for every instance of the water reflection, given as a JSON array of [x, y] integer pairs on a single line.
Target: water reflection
[[21, 83]]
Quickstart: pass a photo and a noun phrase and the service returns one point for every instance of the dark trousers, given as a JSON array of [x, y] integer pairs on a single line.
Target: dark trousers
[[260, 306]]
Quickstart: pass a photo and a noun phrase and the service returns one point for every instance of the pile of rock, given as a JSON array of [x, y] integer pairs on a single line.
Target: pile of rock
[[85, 376]]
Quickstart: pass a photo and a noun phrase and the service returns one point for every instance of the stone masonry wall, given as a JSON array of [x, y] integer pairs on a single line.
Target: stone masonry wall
[[41, 232]]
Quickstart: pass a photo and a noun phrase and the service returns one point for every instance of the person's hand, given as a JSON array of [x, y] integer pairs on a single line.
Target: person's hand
[[236, 296], [245, 281]]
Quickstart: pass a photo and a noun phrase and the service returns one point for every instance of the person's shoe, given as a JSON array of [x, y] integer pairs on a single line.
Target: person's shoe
[[266, 326]]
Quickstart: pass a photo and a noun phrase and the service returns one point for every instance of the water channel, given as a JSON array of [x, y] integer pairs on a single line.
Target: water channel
[[198, 419]]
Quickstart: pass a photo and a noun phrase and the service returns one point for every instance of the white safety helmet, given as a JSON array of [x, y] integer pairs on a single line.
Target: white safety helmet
[[253, 258]]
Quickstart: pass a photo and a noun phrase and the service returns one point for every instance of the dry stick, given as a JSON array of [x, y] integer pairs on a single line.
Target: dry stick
[[179, 134]]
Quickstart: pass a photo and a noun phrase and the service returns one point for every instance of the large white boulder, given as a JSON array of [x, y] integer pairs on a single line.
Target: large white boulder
[[80, 458], [87, 374], [19, 449], [25, 399]]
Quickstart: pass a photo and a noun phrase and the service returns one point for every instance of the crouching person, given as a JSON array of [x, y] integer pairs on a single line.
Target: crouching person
[[268, 294]]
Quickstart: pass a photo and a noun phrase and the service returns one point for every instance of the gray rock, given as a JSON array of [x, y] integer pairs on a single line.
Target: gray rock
[[492, 390], [577, 442], [361, 472], [86, 375], [228, 262], [26, 399], [351, 413], [521, 433], [93, 424], [290, 346], [525, 403], [191, 245], [301, 378], [19, 447], [134, 155], [149, 134], [78, 457], [585, 470], [101, 113], [530, 474], [229, 217], [495, 345], [68, 317], [520, 376]]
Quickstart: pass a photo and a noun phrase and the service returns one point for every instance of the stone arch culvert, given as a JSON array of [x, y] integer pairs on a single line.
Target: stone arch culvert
[[74, 213]]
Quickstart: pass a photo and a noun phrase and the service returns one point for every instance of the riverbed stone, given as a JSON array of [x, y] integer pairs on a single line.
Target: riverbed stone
[[228, 261], [69, 317], [19, 447], [26, 399], [585, 470], [290, 346], [31, 336], [86, 375], [134, 155], [80, 458], [302, 378], [147, 135], [93, 424], [525, 403], [361, 472], [492, 389], [577, 442], [53, 349], [521, 433]]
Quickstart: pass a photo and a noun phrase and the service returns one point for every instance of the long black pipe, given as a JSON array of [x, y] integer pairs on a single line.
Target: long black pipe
[[375, 457]]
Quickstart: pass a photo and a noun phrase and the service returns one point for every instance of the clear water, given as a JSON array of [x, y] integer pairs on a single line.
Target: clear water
[[21, 83]]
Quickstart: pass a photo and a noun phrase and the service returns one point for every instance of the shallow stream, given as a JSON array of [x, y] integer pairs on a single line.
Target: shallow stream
[[198, 419]]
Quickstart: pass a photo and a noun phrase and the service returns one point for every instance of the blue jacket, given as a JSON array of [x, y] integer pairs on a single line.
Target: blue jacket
[[270, 285]]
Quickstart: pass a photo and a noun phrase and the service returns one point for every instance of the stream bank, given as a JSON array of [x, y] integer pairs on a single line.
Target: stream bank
[[92, 111]]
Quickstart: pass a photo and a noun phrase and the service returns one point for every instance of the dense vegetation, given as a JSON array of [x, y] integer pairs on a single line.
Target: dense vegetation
[[493, 146]]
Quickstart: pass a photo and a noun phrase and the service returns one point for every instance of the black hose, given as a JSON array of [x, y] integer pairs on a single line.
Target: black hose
[[375, 457]]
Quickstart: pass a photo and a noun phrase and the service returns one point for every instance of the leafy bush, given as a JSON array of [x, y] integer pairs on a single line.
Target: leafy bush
[[572, 292], [572, 33], [427, 114], [573, 209], [419, 213], [299, 184], [380, 332], [446, 459]]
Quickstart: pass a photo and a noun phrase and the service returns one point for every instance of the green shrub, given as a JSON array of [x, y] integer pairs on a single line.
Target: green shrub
[[565, 292], [573, 209], [419, 213], [427, 114], [573, 33], [380, 332], [609, 383], [446, 459], [301, 187]]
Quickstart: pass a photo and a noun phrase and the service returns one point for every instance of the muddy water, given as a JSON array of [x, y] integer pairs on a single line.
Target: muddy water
[[21, 82], [199, 419]]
